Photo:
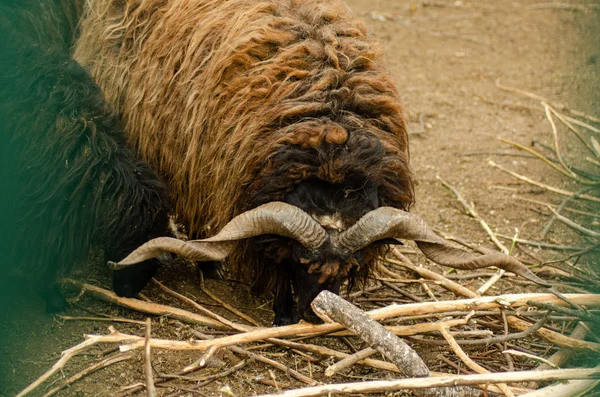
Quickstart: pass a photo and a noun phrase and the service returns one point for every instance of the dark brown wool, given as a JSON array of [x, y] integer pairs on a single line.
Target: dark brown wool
[[235, 102]]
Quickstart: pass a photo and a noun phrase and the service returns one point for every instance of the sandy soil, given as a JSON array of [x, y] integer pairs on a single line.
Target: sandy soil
[[445, 58]]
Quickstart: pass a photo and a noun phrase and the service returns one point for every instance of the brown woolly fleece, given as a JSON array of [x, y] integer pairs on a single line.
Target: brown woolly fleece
[[214, 92]]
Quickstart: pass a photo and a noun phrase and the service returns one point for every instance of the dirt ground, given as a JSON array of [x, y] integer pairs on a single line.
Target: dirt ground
[[446, 58]]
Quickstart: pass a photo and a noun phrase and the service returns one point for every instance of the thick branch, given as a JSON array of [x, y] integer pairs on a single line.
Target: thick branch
[[450, 381]]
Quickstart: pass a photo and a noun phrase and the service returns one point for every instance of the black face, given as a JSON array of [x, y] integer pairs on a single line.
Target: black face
[[349, 200], [315, 272], [336, 207]]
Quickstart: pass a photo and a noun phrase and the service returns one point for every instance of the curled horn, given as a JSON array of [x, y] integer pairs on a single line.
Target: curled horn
[[272, 218], [278, 218], [386, 222]]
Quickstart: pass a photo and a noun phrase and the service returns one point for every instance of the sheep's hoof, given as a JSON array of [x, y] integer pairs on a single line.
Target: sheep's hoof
[[286, 316]]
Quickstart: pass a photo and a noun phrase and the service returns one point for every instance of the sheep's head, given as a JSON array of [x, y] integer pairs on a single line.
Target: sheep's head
[[325, 256]]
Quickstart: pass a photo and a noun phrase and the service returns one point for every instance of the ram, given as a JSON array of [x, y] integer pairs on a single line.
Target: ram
[[277, 132]]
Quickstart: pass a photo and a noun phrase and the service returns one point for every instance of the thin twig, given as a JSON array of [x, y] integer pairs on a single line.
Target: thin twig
[[555, 337], [470, 208], [228, 306], [584, 315], [573, 210], [530, 356], [542, 99], [566, 122], [150, 389], [460, 353], [349, 361], [401, 292], [574, 225], [563, 6], [205, 311], [506, 337], [254, 356], [204, 380], [431, 275], [138, 305], [540, 244], [92, 368], [109, 319], [67, 354], [566, 172], [566, 169], [305, 329], [560, 208], [542, 185]]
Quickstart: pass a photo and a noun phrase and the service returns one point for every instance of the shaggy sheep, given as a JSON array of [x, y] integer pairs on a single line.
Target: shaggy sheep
[[244, 102], [68, 179], [272, 123]]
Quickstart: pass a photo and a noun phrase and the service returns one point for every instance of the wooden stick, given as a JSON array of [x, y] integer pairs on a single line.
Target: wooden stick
[[202, 309], [140, 306], [265, 360], [563, 354], [460, 353], [110, 319], [228, 306], [331, 307], [542, 99], [305, 329], [542, 185], [556, 206], [92, 368], [506, 337], [555, 337], [540, 244], [563, 6], [568, 389], [373, 363], [470, 209], [238, 350], [150, 389], [544, 159], [556, 145], [415, 329], [431, 275], [67, 354], [449, 381], [482, 303], [349, 361], [569, 126], [530, 356], [574, 225]]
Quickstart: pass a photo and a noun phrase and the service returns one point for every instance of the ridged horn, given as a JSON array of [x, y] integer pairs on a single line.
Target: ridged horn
[[386, 222], [194, 250], [272, 218], [278, 218]]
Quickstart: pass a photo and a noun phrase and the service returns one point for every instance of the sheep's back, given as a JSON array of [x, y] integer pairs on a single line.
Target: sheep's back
[[210, 92]]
